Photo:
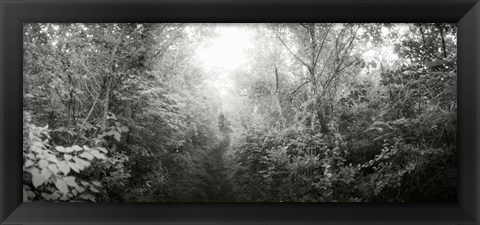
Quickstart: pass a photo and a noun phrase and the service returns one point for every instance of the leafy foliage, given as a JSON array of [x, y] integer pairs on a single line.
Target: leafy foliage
[[387, 140], [50, 173], [318, 113]]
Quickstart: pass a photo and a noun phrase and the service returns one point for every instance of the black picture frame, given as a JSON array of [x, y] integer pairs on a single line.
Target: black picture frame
[[465, 13]]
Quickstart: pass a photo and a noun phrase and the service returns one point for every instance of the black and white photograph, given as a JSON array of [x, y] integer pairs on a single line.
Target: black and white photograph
[[239, 112]]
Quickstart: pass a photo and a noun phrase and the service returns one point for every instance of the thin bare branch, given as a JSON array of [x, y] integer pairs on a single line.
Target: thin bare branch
[[321, 45], [289, 50], [298, 88], [337, 69]]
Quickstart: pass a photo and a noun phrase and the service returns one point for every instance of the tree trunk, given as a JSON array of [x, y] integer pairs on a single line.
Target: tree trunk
[[311, 70], [107, 99], [109, 82], [443, 41], [322, 119], [277, 98]]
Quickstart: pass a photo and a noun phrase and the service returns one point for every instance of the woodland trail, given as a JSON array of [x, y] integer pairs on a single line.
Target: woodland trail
[[213, 184]]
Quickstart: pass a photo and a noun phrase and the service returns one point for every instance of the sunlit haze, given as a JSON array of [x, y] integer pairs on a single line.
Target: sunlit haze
[[227, 50]]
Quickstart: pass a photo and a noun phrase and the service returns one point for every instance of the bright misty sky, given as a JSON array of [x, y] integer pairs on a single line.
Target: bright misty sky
[[228, 49], [226, 53]]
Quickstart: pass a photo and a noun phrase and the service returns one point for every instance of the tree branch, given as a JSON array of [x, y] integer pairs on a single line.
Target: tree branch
[[305, 26], [276, 80], [109, 80], [298, 88], [330, 55], [423, 36], [91, 109], [291, 52], [321, 45], [337, 69]]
